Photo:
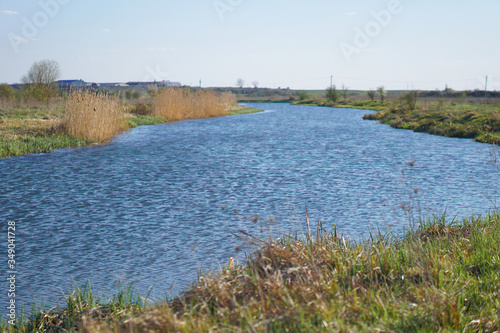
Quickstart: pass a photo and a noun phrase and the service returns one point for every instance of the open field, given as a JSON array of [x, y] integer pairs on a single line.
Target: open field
[[437, 277], [84, 119]]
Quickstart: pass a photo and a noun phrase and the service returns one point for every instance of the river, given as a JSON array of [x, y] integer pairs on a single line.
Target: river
[[158, 202]]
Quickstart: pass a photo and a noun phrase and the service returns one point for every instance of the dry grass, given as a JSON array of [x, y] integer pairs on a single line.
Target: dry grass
[[96, 117], [228, 98], [28, 127], [23, 103], [179, 104]]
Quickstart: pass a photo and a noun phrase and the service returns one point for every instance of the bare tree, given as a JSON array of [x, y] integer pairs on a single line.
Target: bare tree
[[255, 84], [381, 91], [371, 94], [345, 92], [40, 80], [240, 83]]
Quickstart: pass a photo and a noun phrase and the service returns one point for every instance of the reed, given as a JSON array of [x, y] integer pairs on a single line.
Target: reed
[[179, 104], [93, 116]]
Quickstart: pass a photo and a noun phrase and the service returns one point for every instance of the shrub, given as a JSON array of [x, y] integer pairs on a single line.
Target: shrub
[[142, 109], [332, 94], [6, 92], [381, 91], [371, 94], [409, 99]]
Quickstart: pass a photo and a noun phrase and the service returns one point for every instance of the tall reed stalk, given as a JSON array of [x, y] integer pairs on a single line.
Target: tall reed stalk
[[178, 104], [94, 116]]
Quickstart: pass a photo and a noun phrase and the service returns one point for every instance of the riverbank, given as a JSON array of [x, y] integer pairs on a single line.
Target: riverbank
[[437, 277], [37, 129], [451, 118]]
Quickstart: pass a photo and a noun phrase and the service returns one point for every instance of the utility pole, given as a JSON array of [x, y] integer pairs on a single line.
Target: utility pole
[[331, 82], [486, 88]]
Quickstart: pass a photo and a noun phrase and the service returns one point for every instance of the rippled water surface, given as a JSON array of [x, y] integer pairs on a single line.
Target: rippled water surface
[[159, 201]]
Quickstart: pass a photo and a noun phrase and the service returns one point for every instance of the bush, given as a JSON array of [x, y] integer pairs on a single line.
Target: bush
[[381, 91], [409, 100], [332, 94], [371, 94], [6, 92], [142, 109]]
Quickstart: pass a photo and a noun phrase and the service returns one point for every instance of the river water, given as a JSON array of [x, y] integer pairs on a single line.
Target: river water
[[159, 202]]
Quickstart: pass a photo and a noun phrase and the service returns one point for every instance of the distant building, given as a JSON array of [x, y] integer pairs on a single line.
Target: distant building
[[70, 84], [66, 85], [113, 84], [159, 84]]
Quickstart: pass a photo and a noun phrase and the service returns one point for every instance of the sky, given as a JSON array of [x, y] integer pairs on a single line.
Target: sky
[[361, 44]]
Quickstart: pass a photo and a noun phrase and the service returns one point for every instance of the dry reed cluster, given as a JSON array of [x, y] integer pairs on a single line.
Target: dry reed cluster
[[179, 104], [94, 116]]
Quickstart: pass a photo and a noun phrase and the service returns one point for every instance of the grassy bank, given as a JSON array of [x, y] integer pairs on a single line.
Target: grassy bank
[[480, 122], [84, 119], [452, 117], [436, 278], [237, 109], [25, 130]]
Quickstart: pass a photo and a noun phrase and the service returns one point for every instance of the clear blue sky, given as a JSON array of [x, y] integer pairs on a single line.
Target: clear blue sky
[[400, 44]]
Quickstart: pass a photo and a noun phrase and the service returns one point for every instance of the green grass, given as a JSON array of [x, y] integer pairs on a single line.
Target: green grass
[[480, 122], [33, 130], [354, 104], [80, 304], [438, 277], [236, 111], [142, 120], [43, 144]]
